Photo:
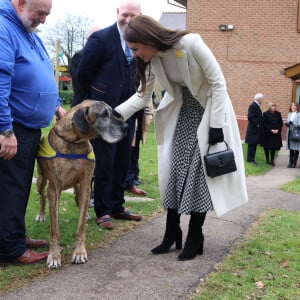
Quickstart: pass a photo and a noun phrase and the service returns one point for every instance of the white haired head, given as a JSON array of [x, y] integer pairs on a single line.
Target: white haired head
[[258, 97]]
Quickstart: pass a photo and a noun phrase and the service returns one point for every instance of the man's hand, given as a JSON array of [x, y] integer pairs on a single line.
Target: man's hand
[[60, 112], [8, 146]]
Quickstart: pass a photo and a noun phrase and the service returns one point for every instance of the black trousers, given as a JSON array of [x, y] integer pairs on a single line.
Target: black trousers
[[134, 168], [251, 151], [15, 183], [112, 161]]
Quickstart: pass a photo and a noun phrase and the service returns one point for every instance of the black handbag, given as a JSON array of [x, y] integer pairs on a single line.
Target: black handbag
[[219, 163], [295, 134]]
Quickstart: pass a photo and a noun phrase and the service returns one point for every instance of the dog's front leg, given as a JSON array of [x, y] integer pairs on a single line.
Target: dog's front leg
[[41, 188], [54, 256], [80, 254]]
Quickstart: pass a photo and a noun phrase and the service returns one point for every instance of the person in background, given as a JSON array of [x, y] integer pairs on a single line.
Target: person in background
[[254, 129], [78, 93], [272, 126], [28, 100], [143, 121], [107, 73], [293, 119], [194, 113]]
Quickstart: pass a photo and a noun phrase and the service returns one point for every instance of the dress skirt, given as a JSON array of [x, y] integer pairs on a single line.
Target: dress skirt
[[187, 188]]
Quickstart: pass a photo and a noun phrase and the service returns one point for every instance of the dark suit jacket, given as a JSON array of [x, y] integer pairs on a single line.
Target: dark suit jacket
[[254, 129], [101, 72], [78, 92]]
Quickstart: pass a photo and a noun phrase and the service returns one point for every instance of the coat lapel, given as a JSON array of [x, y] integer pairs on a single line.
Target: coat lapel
[[182, 66]]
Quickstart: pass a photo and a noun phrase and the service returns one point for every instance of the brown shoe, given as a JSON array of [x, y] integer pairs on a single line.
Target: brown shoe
[[30, 257], [104, 222], [127, 215], [33, 244], [135, 190]]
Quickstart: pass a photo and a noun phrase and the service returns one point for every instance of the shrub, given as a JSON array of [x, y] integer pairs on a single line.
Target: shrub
[[66, 96]]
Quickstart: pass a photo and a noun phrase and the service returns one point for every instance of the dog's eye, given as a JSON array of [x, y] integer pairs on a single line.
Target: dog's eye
[[104, 113]]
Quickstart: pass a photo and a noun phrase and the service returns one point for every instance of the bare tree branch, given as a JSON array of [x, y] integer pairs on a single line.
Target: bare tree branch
[[71, 33]]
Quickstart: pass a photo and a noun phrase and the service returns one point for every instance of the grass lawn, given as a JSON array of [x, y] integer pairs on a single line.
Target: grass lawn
[[263, 265]]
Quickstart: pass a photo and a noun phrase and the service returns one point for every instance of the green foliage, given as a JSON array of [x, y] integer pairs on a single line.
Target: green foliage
[[66, 97], [265, 265], [262, 166], [292, 187]]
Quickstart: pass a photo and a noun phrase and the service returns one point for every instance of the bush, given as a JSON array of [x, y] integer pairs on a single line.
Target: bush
[[66, 96]]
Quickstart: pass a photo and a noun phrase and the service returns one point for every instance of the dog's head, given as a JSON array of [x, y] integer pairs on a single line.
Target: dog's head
[[91, 119]]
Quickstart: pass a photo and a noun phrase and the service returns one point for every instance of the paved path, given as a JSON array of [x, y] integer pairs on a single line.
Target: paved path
[[127, 270]]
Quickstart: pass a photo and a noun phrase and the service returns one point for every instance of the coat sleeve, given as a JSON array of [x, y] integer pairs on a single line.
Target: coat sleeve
[[138, 100]]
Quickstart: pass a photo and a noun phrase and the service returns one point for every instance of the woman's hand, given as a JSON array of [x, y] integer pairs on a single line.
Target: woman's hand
[[215, 135]]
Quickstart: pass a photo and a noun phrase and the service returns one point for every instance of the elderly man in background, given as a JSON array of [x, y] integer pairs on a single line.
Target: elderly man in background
[[28, 100], [254, 129]]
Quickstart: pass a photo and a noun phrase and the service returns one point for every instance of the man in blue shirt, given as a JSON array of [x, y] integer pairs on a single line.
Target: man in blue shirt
[[28, 101]]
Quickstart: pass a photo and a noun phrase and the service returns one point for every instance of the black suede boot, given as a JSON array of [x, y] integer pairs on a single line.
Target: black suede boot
[[173, 233], [295, 158], [195, 239], [291, 159]]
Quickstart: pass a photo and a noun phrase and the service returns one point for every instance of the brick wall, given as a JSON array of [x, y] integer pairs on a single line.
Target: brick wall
[[264, 42]]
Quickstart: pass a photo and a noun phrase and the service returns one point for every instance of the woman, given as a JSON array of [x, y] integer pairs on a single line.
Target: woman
[[293, 119], [195, 111], [272, 126]]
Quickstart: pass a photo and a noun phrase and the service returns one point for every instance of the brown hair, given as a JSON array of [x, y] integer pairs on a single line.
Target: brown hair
[[294, 103], [147, 31]]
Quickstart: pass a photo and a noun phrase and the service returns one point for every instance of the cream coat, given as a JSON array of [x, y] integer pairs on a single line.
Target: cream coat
[[203, 76]]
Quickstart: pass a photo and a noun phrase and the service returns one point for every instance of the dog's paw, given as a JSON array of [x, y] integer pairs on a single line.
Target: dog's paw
[[40, 218], [79, 258], [54, 261]]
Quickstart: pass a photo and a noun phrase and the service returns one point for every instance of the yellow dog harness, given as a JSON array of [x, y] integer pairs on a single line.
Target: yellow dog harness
[[47, 151]]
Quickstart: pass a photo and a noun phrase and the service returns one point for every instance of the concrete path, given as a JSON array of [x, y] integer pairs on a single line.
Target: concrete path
[[127, 270]]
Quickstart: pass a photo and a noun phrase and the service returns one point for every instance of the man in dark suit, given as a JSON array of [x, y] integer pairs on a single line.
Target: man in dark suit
[[106, 73], [254, 129]]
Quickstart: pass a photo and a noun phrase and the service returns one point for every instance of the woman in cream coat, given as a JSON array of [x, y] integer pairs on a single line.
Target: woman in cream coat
[[195, 111]]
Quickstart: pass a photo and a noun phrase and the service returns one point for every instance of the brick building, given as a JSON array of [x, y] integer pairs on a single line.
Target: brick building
[[255, 42]]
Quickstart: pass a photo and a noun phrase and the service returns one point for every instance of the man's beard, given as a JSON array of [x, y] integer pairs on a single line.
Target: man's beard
[[26, 22]]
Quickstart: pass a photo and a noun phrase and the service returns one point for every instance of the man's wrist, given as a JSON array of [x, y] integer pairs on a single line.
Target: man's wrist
[[7, 132]]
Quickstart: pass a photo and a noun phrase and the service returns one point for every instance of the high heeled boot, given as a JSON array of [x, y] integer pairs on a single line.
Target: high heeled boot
[[195, 239], [173, 233], [290, 165], [295, 159]]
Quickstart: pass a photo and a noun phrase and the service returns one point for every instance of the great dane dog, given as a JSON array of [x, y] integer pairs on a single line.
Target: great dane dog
[[65, 160]]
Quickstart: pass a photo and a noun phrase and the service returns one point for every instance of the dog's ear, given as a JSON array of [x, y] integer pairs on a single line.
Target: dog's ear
[[80, 120]]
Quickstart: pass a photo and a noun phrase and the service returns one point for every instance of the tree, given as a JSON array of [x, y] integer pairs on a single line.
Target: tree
[[70, 31]]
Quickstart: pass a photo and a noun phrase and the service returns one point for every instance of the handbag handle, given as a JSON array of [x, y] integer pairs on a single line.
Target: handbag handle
[[223, 142]]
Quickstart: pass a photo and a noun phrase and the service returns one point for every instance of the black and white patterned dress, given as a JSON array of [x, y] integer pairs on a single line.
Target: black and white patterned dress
[[187, 189]]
